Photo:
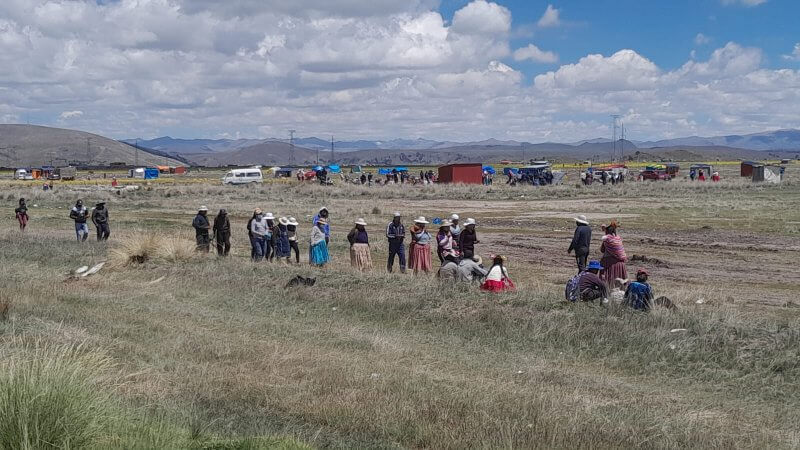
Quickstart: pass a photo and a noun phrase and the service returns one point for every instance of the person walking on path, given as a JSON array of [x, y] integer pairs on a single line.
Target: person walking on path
[[100, 221], [614, 258], [201, 228], [318, 251], [420, 247], [21, 212], [291, 228], [396, 233], [222, 233], [467, 239], [79, 214], [258, 235], [580, 242], [283, 250], [360, 256]]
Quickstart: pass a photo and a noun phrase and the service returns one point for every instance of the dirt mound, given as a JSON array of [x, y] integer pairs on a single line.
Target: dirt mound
[[647, 260]]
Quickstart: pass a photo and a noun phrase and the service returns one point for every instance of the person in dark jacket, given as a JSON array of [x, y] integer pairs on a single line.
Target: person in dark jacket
[[21, 213], [396, 233], [250, 235], [467, 239], [581, 241], [591, 286], [201, 228], [292, 229], [280, 235], [100, 221], [222, 233]]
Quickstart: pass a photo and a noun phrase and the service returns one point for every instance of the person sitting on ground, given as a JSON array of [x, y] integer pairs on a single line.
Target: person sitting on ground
[[497, 279], [360, 257], [639, 294], [467, 239], [590, 286], [471, 269], [318, 252], [448, 271], [21, 212]]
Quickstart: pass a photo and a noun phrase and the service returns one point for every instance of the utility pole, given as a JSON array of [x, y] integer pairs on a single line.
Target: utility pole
[[88, 155], [291, 143], [622, 143], [614, 119], [333, 156], [136, 158]]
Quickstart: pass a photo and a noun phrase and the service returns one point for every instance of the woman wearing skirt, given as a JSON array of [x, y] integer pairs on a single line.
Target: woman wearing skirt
[[318, 252], [360, 257], [614, 257], [497, 280], [420, 247]]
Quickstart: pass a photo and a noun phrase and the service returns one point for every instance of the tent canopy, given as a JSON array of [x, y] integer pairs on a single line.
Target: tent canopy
[[333, 168], [489, 169], [508, 170], [316, 168]]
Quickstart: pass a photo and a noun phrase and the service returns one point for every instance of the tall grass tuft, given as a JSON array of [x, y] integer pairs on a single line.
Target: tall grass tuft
[[140, 248], [53, 396]]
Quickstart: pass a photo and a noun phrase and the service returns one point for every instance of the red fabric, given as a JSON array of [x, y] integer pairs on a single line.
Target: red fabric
[[23, 220], [420, 258], [498, 286]]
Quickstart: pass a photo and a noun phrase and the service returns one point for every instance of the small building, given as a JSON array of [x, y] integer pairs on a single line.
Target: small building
[[748, 168], [461, 173]]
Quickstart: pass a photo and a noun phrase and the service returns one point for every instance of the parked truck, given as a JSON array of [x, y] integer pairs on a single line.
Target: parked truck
[[67, 173]]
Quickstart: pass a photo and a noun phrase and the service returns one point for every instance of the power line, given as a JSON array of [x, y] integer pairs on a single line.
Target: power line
[[291, 143]]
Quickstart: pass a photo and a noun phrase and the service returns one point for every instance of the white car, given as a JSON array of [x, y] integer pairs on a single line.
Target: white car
[[244, 176]]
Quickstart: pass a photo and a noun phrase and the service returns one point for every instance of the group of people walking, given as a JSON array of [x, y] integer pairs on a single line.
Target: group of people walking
[[596, 278]]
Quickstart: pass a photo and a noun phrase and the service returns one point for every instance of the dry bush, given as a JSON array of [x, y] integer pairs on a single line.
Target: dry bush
[[141, 247], [176, 249]]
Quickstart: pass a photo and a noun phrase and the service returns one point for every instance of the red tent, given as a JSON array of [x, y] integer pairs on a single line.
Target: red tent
[[461, 173]]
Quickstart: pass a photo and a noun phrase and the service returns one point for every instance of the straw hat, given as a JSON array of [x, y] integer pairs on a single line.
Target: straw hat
[[477, 259], [397, 214], [454, 217], [203, 208], [470, 221], [269, 216], [421, 219], [446, 223], [361, 222], [293, 221], [283, 221], [582, 219]]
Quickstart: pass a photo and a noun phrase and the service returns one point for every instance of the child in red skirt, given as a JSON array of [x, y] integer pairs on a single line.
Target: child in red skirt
[[498, 280]]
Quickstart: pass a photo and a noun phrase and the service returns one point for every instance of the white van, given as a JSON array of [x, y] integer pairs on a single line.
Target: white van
[[22, 174], [244, 176]]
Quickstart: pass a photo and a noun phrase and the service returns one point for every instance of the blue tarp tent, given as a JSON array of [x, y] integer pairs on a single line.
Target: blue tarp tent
[[384, 171], [513, 170], [489, 169], [334, 168], [150, 173], [401, 169], [316, 168]]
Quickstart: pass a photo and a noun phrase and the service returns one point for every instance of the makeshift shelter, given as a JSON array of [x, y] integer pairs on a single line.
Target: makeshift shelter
[[384, 171], [283, 172], [333, 168], [401, 169], [489, 169], [507, 170], [706, 168], [748, 168], [769, 174], [163, 169], [461, 173], [151, 173]]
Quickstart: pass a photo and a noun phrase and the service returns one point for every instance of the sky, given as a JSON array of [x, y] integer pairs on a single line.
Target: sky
[[459, 70]]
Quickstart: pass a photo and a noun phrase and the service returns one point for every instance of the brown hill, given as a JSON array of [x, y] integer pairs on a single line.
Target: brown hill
[[267, 153], [32, 145]]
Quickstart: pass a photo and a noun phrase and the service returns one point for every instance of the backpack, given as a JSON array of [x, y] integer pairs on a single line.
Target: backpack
[[572, 292]]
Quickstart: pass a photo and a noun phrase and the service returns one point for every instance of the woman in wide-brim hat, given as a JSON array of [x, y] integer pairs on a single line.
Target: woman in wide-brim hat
[[283, 249], [360, 257], [291, 226], [318, 252], [419, 250]]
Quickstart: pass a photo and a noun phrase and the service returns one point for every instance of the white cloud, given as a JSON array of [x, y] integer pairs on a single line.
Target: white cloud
[[71, 114], [795, 55], [701, 39], [257, 67], [550, 18], [534, 53], [744, 2]]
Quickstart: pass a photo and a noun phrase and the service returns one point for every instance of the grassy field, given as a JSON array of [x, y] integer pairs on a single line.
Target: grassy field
[[192, 351]]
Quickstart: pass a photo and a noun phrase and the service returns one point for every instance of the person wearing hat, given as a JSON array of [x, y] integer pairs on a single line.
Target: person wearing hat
[[291, 228], [79, 214], [444, 241], [100, 221], [201, 228], [270, 236], [396, 233], [318, 251], [581, 241], [614, 257], [280, 237], [497, 279], [323, 214], [455, 230], [639, 294], [358, 238], [21, 212], [258, 234], [471, 269], [590, 285], [420, 247], [222, 233], [467, 239]]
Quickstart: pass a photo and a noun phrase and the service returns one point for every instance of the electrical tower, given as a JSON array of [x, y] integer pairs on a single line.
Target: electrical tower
[[333, 156], [614, 121], [622, 143], [136, 158], [291, 143]]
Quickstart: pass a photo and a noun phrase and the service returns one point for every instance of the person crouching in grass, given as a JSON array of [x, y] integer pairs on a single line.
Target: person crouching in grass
[[497, 280]]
